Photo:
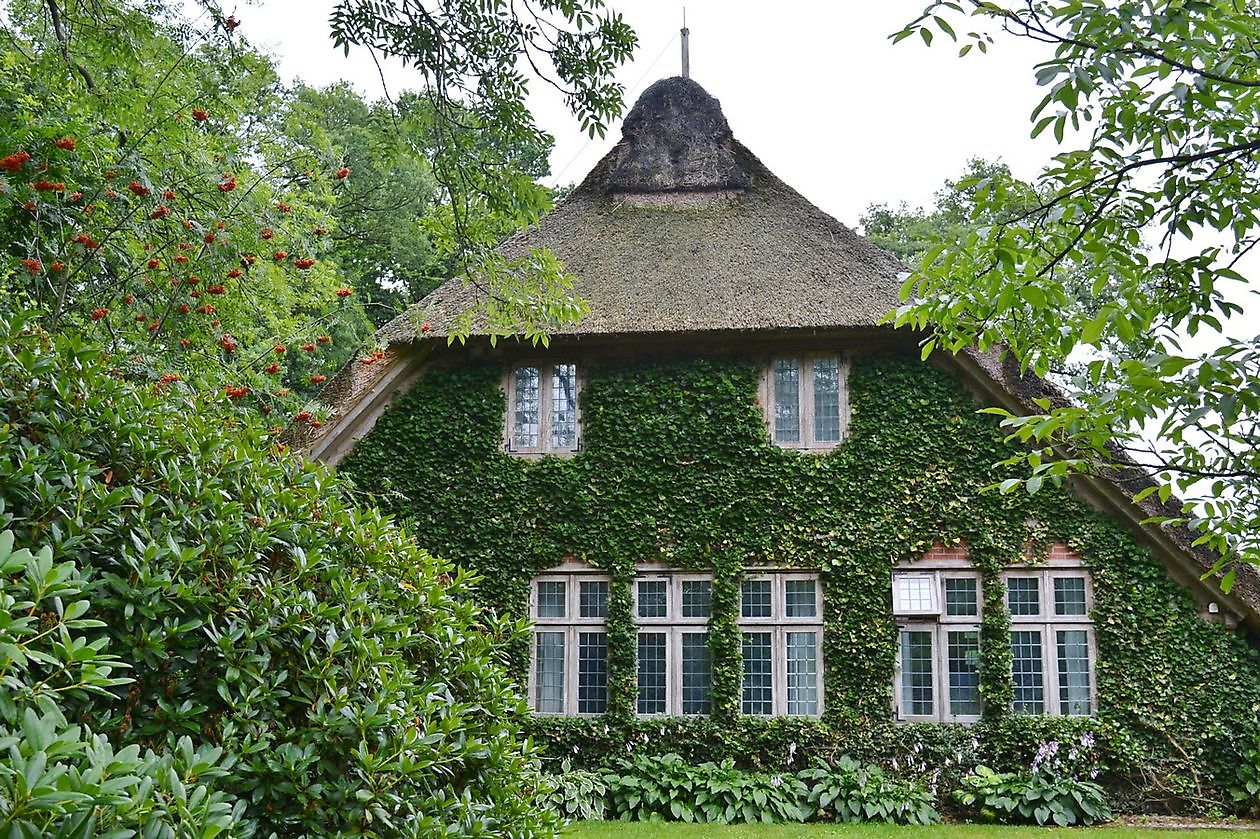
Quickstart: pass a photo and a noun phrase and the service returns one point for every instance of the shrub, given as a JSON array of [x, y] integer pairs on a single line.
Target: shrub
[[61, 779], [348, 676], [670, 789], [851, 792], [577, 794], [1040, 797]]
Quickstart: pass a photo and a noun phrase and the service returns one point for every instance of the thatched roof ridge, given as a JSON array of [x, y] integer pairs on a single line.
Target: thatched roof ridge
[[716, 253]]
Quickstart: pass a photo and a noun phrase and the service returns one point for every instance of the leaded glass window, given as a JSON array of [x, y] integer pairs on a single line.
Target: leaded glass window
[[1069, 596], [564, 406], [1073, 661], [549, 673], [697, 598], [526, 410], [652, 673], [917, 696], [653, 598], [802, 673], [551, 599], [755, 600], [593, 602], [826, 400], [592, 672], [697, 673], [787, 401], [757, 696], [1023, 595], [801, 598], [961, 597], [543, 408], [964, 673], [1027, 676], [807, 401]]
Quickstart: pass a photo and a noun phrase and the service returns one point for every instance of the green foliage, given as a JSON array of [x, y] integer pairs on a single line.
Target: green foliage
[[58, 778], [676, 465], [577, 794], [668, 788], [469, 57], [1246, 789], [851, 792], [1033, 797], [349, 678], [1151, 205]]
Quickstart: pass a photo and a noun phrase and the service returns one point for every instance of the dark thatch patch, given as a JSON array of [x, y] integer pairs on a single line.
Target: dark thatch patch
[[675, 138]]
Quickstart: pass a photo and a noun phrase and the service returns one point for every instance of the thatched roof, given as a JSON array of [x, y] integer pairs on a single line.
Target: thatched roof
[[680, 228]]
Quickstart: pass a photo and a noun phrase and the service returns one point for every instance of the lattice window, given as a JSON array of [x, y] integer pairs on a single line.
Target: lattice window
[[807, 401], [780, 618], [543, 415]]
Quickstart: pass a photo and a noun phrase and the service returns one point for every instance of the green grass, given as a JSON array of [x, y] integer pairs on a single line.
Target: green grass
[[676, 830]]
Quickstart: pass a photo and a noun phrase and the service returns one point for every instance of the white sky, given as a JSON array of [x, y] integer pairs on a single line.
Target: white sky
[[814, 88]]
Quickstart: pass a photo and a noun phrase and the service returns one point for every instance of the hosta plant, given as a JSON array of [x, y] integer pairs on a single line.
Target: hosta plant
[[1032, 797], [851, 792]]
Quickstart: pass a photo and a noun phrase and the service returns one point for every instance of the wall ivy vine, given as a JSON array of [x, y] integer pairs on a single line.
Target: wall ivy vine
[[676, 466]]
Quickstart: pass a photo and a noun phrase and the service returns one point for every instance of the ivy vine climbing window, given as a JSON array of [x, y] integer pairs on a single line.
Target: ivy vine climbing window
[[543, 409], [569, 666], [1051, 640], [780, 617], [938, 614], [807, 401], [675, 669]]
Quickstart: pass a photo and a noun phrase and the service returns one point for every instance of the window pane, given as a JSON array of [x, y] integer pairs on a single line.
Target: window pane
[[964, 672], [1023, 595], [564, 406], [653, 601], [1026, 675], [697, 673], [651, 673], [1069, 595], [802, 601], [525, 411], [914, 593], [758, 696], [755, 599], [549, 673], [593, 599], [551, 599], [592, 672], [1073, 651], [802, 673], [826, 400], [697, 598], [916, 674], [960, 596], [787, 402]]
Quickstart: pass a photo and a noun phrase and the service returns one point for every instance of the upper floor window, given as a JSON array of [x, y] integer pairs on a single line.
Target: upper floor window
[[569, 672], [807, 400], [780, 618], [542, 408]]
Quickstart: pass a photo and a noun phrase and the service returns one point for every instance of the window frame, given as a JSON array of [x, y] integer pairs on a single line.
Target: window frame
[[545, 396], [805, 399], [674, 626], [778, 625], [1049, 623], [572, 625]]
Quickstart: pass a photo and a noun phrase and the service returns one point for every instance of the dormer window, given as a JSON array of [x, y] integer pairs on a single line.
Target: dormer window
[[542, 408], [807, 400]]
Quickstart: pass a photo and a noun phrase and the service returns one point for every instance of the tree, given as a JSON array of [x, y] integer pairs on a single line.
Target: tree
[[468, 56], [1157, 205]]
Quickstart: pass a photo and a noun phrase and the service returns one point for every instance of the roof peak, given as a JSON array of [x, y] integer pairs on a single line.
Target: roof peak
[[675, 139]]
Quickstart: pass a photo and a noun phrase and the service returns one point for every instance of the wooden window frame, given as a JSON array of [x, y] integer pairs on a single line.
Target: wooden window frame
[[779, 625], [572, 625], [545, 375], [805, 397]]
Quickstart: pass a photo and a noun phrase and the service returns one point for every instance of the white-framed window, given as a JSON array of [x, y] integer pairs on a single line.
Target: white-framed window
[[938, 664], [569, 657], [938, 659], [807, 401], [675, 669], [542, 414], [1052, 641], [780, 619]]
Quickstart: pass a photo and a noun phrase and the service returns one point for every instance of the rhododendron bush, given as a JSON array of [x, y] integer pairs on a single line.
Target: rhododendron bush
[[347, 679]]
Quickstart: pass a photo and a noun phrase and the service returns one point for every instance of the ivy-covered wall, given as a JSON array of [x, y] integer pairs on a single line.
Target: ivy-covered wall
[[676, 465]]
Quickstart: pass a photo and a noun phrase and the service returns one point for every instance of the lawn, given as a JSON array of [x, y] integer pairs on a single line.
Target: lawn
[[676, 830]]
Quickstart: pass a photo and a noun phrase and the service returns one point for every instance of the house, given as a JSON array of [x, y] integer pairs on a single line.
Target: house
[[746, 520]]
